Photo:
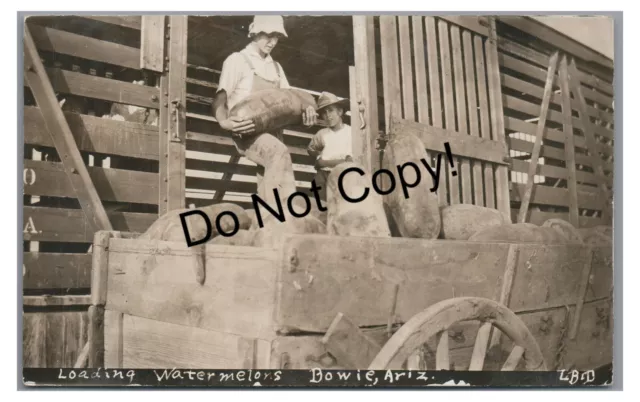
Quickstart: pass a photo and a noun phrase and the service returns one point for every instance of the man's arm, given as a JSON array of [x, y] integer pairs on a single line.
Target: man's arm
[[220, 110], [229, 77]]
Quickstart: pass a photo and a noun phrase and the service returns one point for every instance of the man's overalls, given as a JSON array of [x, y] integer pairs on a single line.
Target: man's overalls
[[269, 152]]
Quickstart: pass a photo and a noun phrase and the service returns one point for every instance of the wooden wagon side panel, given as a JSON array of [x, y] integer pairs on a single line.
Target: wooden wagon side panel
[[357, 276], [156, 280], [136, 342]]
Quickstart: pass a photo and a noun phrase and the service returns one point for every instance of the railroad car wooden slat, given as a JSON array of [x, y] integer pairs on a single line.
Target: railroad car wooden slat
[[111, 184]]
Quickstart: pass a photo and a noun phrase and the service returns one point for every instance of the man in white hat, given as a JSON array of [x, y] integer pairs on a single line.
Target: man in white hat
[[243, 73], [331, 146]]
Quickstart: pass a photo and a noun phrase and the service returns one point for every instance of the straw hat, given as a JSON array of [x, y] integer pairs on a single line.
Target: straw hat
[[328, 99], [267, 24]]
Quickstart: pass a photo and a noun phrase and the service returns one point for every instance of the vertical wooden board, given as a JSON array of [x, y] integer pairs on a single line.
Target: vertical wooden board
[[356, 276], [485, 119], [601, 278], [472, 104], [449, 104], [73, 344], [359, 140], [366, 84], [55, 339], [157, 280], [391, 76], [503, 202], [447, 76], [154, 344], [434, 71], [461, 111], [34, 335], [444, 179], [420, 69], [113, 341], [152, 43], [163, 147], [177, 125], [96, 336], [406, 67], [569, 147], [99, 264], [593, 346], [547, 276]]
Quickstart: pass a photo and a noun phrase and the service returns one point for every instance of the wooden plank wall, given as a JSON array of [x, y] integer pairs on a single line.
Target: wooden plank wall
[[93, 65], [438, 73], [523, 62]]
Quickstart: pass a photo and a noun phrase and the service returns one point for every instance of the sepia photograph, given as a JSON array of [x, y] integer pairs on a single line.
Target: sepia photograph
[[309, 201]]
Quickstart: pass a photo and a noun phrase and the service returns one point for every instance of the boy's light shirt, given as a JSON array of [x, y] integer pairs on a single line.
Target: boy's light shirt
[[335, 144]]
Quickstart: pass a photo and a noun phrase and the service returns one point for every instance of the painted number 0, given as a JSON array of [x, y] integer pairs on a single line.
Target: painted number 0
[[29, 176]]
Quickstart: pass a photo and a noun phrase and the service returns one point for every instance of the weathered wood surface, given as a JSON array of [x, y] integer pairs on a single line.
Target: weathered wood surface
[[549, 276], [111, 184], [56, 300], [62, 42], [461, 144], [539, 217], [73, 165], [56, 270], [149, 343], [556, 136], [94, 134], [563, 42], [152, 43], [547, 195], [53, 339], [535, 154], [595, 336], [155, 280], [174, 118], [113, 337], [70, 225], [132, 21], [70, 82], [355, 276], [349, 344]]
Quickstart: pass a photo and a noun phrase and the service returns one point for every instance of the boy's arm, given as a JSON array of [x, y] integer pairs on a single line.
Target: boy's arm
[[315, 145]]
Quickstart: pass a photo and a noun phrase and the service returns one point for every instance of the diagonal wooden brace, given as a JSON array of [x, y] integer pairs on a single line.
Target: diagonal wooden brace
[[535, 154], [76, 170]]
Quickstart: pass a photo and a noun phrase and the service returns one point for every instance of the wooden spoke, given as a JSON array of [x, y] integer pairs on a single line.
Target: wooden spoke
[[400, 350], [480, 348], [513, 359], [416, 361], [442, 353]]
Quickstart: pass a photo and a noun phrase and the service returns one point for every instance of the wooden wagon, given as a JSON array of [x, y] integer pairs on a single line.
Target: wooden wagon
[[476, 82], [334, 302]]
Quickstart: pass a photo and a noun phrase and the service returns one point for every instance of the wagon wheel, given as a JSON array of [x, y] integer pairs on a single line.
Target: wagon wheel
[[438, 318]]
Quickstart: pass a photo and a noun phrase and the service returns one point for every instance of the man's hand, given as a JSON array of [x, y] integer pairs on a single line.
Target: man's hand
[[309, 116], [238, 126]]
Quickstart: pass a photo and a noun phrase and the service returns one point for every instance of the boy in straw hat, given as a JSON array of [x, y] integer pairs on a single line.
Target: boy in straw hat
[[331, 146], [250, 70]]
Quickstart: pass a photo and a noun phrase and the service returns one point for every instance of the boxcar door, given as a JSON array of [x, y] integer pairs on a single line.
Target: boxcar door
[[437, 77]]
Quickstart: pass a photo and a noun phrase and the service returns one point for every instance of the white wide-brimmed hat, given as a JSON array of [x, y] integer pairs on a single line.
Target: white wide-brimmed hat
[[267, 24]]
